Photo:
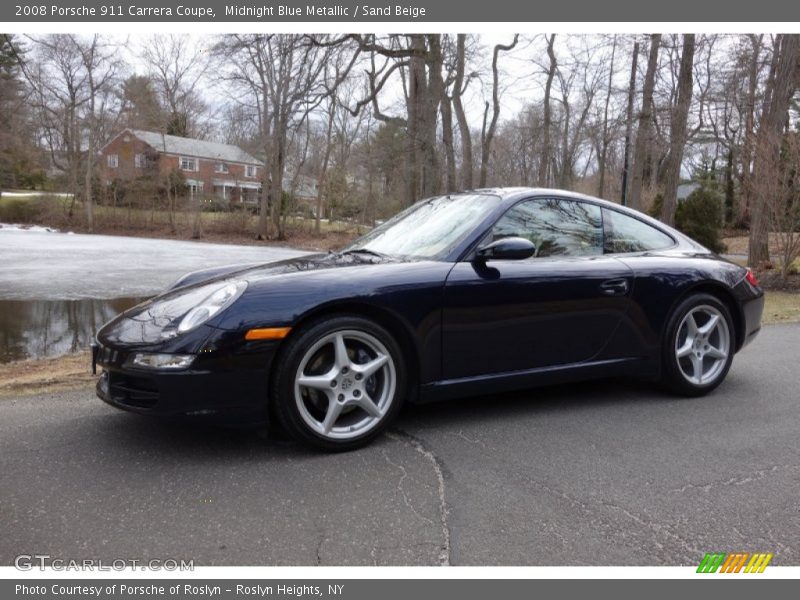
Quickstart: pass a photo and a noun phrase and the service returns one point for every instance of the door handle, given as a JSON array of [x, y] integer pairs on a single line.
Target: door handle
[[614, 287]]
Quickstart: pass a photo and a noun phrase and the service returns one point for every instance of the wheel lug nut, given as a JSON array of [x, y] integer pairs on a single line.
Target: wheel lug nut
[[356, 393], [358, 376], [341, 397], [333, 383], [345, 370]]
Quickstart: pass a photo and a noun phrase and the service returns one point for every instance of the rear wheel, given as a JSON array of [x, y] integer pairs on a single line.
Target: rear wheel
[[699, 346], [339, 383]]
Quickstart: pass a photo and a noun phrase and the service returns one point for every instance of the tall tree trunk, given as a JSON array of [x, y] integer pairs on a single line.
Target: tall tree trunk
[[781, 85], [88, 198], [601, 163], [324, 167], [547, 150], [463, 125], [730, 189], [565, 174], [447, 140], [488, 133], [680, 115], [432, 98], [276, 191], [642, 147], [626, 162], [746, 158], [264, 203]]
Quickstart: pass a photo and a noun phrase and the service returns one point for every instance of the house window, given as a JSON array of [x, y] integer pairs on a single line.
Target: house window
[[140, 161], [188, 164], [113, 161], [220, 168], [249, 171]]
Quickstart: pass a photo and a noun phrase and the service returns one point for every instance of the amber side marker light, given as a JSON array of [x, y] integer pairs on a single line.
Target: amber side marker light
[[270, 333]]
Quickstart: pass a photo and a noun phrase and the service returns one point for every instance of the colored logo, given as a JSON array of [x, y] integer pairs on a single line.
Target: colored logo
[[736, 562]]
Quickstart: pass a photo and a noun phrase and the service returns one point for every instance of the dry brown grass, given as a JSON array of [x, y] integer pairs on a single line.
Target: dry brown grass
[[781, 307], [37, 376], [739, 244]]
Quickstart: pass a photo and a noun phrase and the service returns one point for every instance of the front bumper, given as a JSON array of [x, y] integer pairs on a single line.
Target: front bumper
[[231, 388]]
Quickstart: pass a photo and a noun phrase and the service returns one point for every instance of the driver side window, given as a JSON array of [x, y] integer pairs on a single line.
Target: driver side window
[[557, 227]]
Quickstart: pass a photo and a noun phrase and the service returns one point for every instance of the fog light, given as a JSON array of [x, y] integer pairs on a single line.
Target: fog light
[[161, 361]]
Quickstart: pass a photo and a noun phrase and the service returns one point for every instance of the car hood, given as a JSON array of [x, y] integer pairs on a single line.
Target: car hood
[[144, 323], [309, 262]]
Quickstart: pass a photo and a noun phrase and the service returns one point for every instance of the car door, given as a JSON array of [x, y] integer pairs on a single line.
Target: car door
[[558, 307]]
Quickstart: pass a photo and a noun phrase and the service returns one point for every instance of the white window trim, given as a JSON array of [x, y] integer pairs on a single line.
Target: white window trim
[[195, 162], [221, 167], [247, 169], [112, 160], [139, 160]]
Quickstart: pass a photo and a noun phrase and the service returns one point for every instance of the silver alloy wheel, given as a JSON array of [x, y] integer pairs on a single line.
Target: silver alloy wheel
[[345, 384], [702, 345]]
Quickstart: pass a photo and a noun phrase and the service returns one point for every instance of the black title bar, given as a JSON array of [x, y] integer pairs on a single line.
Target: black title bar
[[405, 11]]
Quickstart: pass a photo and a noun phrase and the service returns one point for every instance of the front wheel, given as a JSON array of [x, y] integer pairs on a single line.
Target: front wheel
[[339, 383], [699, 346]]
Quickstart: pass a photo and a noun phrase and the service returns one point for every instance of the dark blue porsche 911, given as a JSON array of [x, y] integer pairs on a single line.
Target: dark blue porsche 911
[[471, 293]]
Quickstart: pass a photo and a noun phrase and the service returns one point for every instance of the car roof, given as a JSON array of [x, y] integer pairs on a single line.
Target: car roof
[[516, 193], [511, 195]]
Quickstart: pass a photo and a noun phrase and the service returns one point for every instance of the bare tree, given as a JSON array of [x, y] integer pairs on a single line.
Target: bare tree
[[459, 88], [419, 60], [746, 155], [781, 86], [72, 79], [678, 132], [629, 125], [641, 149], [605, 141], [177, 68], [283, 75], [487, 133], [579, 73], [547, 147]]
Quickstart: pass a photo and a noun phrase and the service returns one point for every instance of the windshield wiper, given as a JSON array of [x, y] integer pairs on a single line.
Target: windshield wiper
[[364, 251]]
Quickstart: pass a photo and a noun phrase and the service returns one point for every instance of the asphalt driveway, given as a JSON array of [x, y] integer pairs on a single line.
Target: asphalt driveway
[[596, 474]]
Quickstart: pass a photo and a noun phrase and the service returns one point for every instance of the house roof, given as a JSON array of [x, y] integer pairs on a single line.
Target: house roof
[[304, 186], [686, 189], [173, 144]]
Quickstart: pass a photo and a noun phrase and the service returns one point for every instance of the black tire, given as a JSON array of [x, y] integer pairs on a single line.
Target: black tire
[[673, 369], [285, 405]]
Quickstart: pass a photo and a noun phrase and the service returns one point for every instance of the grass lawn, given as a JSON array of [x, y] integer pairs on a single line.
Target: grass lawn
[[781, 307]]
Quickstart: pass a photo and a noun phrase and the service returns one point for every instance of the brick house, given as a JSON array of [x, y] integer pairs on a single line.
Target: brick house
[[210, 168]]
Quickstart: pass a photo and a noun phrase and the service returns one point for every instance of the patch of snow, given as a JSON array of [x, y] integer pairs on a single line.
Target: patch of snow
[[31, 228]]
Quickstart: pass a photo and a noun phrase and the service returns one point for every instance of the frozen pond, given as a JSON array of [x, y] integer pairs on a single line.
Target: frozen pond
[[42, 265], [57, 289]]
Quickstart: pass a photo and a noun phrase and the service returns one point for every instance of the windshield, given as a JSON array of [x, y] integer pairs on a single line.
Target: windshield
[[429, 229]]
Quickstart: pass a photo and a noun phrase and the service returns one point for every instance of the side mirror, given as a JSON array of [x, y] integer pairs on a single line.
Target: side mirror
[[510, 248]]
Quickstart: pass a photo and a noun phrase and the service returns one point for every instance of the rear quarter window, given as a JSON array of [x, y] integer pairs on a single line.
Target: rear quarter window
[[627, 234]]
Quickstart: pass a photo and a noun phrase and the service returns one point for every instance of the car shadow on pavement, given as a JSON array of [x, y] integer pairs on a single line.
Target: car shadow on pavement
[[204, 441], [565, 397]]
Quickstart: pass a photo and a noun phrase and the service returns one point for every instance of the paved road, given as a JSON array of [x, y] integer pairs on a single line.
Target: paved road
[[609, 473]]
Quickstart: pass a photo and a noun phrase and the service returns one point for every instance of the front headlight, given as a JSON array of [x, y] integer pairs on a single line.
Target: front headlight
[[174, 313], [217, 301], [214, 299]]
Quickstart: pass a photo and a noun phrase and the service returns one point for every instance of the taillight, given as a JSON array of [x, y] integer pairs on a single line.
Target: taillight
[[751, 278]]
